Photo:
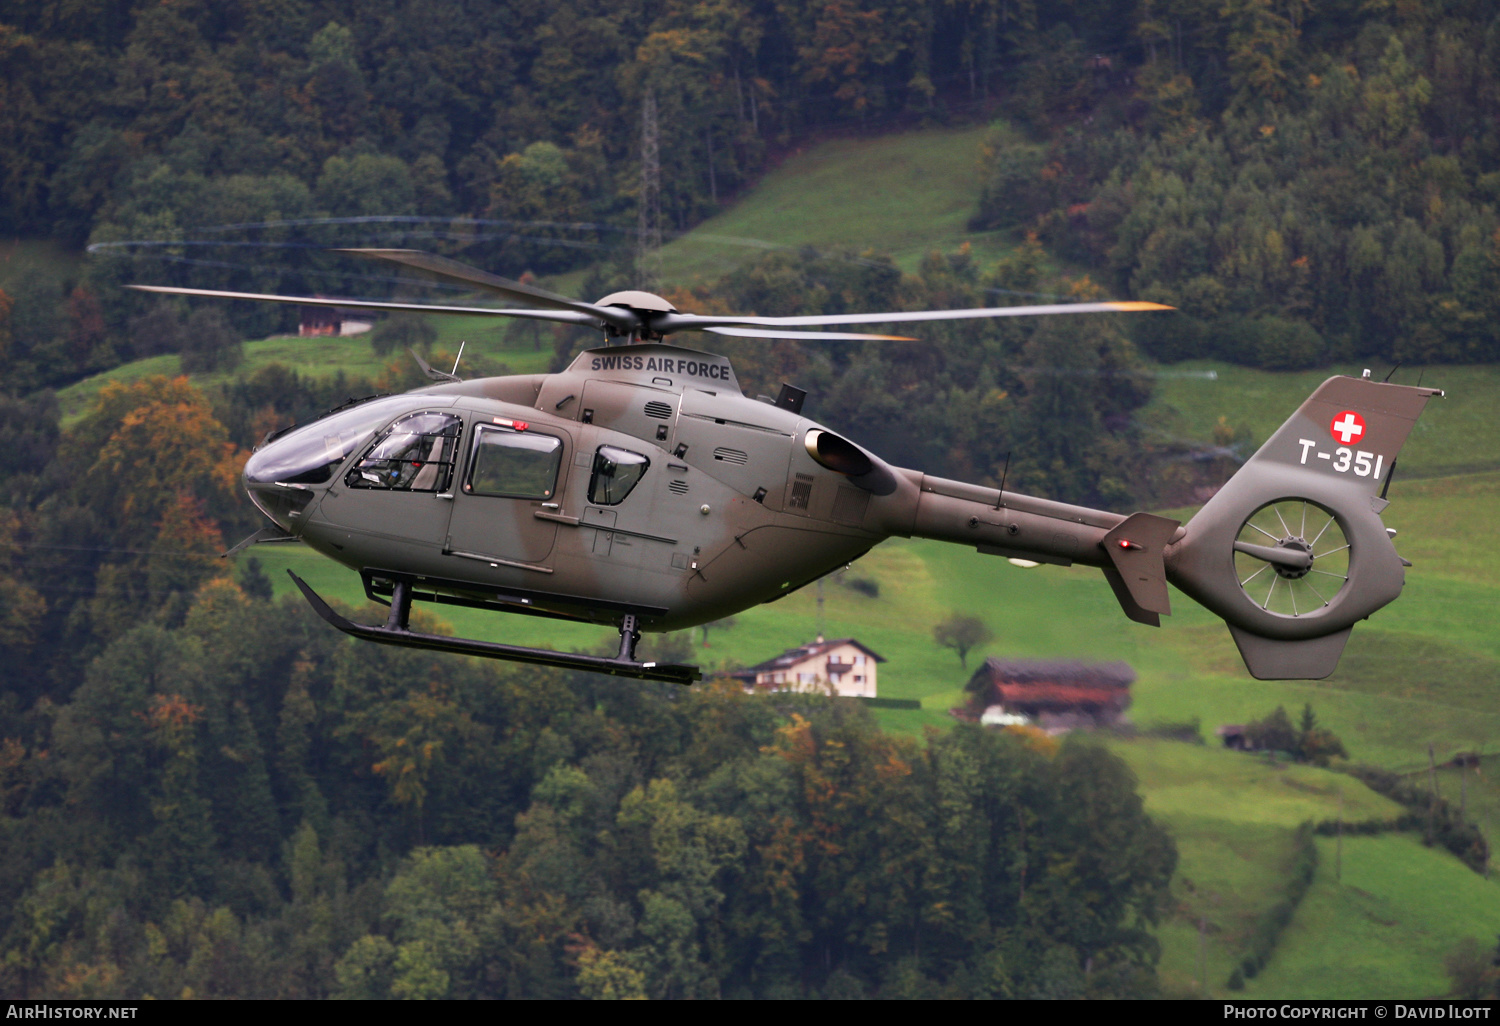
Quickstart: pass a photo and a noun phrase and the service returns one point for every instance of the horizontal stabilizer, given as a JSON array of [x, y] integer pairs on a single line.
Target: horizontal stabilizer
[[1128, 603], [1139, 576]]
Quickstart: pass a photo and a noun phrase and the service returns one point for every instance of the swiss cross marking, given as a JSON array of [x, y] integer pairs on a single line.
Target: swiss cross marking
[[1348, 427]]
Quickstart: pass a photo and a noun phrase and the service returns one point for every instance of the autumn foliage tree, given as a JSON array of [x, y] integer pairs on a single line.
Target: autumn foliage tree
[[152, 459]]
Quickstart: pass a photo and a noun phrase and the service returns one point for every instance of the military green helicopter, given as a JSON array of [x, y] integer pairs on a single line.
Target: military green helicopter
[[640, 488]]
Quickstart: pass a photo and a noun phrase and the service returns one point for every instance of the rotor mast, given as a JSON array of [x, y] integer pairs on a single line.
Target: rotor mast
[[648, 239]]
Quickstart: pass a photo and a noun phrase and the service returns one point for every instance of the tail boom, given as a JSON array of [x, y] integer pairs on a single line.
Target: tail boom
[[1330, 457]]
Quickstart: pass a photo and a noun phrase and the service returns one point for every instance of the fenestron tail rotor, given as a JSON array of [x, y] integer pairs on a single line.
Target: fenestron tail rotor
[[646, 317], [1292, 557]]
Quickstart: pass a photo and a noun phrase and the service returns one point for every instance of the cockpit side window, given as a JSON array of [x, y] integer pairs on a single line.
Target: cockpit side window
[[616, 472], [518, 464], [310, 454], [415, 454]]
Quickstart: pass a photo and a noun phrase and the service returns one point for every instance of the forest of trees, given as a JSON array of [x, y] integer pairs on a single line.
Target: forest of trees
[[1307, 181], [209, 793], [249, 805]]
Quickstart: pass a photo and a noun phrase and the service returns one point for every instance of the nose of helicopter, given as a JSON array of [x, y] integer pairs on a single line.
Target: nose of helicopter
[[277, 487], [292, 468]]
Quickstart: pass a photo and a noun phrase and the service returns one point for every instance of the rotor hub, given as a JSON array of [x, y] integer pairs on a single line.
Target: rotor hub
[[1294, 573]]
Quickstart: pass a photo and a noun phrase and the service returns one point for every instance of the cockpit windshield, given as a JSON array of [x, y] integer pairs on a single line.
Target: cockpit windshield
[[311, 453]]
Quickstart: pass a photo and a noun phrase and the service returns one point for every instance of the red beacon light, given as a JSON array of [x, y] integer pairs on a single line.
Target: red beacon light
[[1126, 543]]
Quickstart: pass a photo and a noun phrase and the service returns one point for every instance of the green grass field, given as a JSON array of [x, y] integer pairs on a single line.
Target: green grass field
[[1385, 928], [1232, 816], [905, 195]]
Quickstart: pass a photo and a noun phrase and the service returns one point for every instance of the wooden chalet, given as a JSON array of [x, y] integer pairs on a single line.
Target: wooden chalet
[[1052, 694]]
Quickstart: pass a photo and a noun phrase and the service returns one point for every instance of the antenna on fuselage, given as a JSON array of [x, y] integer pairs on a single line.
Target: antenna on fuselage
[[460, 356], [1000, 498]]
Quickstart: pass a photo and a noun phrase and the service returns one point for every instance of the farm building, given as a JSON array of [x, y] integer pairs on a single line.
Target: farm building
[[1052, 694], [843, 664], [316, 321]]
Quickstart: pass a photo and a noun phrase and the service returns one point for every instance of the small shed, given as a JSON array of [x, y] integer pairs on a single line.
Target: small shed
[[318, 321], [1053, 694], [1236, 736]]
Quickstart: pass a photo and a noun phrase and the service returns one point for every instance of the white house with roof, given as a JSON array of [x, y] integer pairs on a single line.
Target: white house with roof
[[842, 667]]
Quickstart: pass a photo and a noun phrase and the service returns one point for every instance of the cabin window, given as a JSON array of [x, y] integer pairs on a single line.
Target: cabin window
[[517, 464], [415, 454], [616, 472]]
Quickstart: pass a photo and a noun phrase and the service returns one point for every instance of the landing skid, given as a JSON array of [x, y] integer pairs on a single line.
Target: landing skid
[[396, 632]]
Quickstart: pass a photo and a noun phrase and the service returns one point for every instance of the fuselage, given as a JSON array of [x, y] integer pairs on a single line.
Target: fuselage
[[639, 480], [728, 508]]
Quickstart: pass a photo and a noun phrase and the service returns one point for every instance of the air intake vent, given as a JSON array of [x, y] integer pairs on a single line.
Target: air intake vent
[[734, 456], [661, 411], [677, 486]]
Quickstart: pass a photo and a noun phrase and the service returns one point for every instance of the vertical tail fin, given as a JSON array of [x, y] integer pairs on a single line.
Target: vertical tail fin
[[1291, 552]]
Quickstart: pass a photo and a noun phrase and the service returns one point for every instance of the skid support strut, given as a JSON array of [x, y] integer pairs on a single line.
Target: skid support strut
[[397, 632], [400, 607], [629, 636]]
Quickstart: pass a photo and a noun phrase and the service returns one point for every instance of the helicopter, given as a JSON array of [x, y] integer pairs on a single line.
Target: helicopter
[[641, 489]]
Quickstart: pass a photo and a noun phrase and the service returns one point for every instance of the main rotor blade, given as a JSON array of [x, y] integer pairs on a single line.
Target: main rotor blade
[[837, 336], [452, 270], [566, 316], [692, 322]]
